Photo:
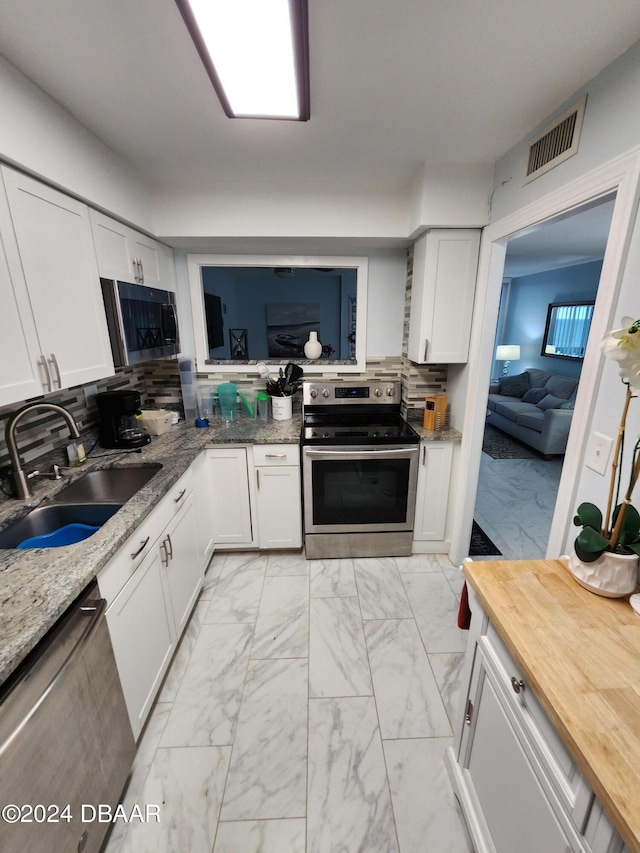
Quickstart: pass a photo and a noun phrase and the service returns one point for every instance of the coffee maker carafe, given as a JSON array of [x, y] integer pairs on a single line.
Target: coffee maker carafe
[[120, 422]]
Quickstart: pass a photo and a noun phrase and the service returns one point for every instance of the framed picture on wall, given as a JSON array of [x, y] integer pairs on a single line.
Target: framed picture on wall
[[238, 344], [288, 327]]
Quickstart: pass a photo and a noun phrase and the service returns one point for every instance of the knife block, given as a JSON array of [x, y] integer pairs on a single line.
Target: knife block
[[435, 412]]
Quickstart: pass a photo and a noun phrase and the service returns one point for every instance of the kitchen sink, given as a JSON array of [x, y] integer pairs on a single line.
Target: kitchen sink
[[107, 485], [47, 519]]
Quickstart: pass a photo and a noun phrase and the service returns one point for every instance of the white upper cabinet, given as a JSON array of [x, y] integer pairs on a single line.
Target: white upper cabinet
[[445, 263], [21, 368], [126, 255], [48, 271]]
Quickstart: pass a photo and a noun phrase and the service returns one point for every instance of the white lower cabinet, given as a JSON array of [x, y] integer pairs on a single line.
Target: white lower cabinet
[[180, 559], [278, 498], [254, 495], [143, 637], [151, 585], [517, 784], [204, 490], [432, 496], [230, 505]]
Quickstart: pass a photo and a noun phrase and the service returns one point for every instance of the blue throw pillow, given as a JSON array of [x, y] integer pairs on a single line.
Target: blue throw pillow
[[534, 395], [550, 402], [514, 386]]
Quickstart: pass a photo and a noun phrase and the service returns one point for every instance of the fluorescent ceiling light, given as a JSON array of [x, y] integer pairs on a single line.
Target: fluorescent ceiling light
[[256, 53]]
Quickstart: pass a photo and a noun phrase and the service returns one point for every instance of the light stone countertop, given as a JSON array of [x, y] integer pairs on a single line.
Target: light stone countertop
[[38, 585]]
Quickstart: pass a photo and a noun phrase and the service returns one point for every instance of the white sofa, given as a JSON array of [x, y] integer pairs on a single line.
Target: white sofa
[[535, 407]]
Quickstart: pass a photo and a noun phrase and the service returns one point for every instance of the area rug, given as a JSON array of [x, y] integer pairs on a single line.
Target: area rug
[[499, 445], [481, 545]]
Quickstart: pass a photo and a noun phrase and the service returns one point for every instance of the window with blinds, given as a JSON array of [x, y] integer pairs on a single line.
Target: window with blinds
[[567, 329]]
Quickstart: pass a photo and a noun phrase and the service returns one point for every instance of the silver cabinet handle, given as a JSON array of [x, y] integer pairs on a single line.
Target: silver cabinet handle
[[143, 545], [517, 684], [164, 560], [257, 478], [426, 347], [180, 496], [276, 455], [170, 547], [424, 454], [54, 362], [141, 271], [47, 375], [136, 269]]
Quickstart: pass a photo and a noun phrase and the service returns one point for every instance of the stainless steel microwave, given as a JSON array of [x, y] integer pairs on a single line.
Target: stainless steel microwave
[[142, 321]]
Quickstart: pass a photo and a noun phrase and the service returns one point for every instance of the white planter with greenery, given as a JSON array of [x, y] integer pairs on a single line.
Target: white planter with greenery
[[611, 575], [617, 533]]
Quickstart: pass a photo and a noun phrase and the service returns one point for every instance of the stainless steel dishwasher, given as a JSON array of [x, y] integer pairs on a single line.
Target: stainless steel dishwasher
[[66, 744]]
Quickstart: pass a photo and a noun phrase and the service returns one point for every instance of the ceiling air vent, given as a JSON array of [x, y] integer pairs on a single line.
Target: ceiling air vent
[[556, 143]]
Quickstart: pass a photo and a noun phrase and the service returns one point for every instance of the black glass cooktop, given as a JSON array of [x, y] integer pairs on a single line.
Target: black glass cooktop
[[358, 429]]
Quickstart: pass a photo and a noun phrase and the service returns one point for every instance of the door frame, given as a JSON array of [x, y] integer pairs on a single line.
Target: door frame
[[622, 177]]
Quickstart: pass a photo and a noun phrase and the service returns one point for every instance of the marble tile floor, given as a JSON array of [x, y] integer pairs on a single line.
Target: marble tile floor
[[307, 710], [515, 503]]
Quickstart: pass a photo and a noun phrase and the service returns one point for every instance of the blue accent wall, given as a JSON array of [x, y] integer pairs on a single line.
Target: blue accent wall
[[526, 316]]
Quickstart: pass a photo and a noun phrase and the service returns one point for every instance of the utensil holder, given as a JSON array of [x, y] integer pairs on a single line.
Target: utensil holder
[[281, 408]]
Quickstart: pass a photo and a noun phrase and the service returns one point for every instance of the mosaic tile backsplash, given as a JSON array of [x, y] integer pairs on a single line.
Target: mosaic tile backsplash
[[158, 383]]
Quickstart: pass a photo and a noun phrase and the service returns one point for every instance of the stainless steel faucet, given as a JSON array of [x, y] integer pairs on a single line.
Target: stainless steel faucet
[[19, 476]]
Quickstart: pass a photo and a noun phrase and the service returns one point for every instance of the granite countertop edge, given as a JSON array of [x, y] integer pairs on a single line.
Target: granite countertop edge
[[38, 585]]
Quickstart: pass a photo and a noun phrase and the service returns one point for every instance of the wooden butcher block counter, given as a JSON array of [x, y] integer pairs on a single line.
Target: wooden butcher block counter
[[580, 654]]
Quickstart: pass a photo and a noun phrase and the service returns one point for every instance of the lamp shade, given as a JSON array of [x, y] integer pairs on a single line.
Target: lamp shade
[[508, 352]]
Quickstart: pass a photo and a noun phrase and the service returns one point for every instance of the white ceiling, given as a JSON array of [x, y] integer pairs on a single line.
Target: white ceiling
[[394, 84], [574, 238]]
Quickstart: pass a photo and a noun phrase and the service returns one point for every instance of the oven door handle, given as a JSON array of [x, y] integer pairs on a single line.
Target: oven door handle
[[352, 453]]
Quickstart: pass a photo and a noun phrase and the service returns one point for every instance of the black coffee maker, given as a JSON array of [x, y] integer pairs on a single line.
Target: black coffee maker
[[120, 422]]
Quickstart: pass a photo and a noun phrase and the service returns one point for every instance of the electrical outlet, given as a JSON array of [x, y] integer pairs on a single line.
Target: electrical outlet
[[89, 391], [598, 452]]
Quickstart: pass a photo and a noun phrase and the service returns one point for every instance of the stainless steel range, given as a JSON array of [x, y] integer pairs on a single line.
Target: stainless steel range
[[359, 470]]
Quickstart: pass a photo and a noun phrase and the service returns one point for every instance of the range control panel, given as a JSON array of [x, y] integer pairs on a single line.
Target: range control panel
[[351, 393]]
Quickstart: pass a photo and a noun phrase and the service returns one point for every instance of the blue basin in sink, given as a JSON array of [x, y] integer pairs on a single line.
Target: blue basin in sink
[[52, 518]]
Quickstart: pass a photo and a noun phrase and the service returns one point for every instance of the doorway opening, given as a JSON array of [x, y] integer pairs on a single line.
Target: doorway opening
[[533, 381]]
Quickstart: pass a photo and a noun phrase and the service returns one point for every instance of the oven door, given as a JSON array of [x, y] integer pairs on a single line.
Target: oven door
[[359, 489]]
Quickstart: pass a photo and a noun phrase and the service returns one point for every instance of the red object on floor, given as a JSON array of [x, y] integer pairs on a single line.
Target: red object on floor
[[464, 614]]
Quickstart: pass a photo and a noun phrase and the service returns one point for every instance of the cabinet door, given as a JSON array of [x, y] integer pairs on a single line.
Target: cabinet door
[[279, 506], [442, 292], [142, 636], [203, 490], [127, 255], [512, 804], [183, 569], [432, 496], [57, 257], [230, 505], [148, 254], [21, 362]]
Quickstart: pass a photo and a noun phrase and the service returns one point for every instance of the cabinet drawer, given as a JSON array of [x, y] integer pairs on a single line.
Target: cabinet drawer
[[173, 500], [276, 454], [564, 775], [123, 564]]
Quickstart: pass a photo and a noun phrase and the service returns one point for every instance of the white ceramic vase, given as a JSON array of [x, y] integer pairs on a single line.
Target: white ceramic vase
[[313, 347], [611, 575]]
